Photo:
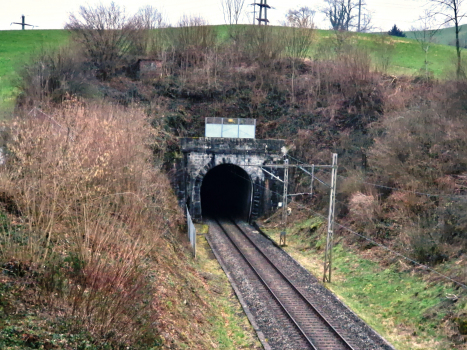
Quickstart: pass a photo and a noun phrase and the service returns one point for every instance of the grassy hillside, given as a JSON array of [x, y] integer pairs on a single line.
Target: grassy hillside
[[403, 55], [16, 46], [446, 36]]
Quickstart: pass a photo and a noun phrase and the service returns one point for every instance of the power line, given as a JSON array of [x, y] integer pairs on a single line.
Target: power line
[[425, 267], [401, 189]]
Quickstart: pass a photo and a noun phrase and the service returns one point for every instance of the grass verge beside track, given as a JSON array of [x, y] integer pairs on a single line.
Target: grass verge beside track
[[407, 308], [231, 328]]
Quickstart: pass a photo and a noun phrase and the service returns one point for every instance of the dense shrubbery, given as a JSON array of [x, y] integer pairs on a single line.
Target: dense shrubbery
[[92, 208], [398, 132]]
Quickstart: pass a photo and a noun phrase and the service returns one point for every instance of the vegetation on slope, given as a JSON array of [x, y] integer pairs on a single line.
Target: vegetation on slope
[[90, 238], [405, 134], [412, 310], [394, 55], [16, 48]]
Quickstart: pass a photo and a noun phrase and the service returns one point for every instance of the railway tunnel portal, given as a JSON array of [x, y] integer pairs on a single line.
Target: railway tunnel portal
[[223, 175]]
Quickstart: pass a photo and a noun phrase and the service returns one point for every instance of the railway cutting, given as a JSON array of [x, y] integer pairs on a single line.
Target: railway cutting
[[228, 179]]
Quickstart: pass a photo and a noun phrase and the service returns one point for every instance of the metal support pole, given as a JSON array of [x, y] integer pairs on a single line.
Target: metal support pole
[[284, 203], [332, 206], [312, 180], [260, 13], [359, 14], [284, 197]]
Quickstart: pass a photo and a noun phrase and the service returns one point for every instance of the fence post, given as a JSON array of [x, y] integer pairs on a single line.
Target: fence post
[[332, 205], [312, 180], [191, 232]]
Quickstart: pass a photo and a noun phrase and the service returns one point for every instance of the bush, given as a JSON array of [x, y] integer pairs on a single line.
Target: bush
[[95, 208], [54, 75], [107, 34]]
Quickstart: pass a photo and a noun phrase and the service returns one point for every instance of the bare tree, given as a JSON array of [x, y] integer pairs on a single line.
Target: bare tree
[[452, 11], [298, 38], [147, 19], [342, 13], [301, 18], [425, 34], [232, 10], [106, 33], [150, 17]]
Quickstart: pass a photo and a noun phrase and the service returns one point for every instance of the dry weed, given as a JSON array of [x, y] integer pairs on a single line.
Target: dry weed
[[94, 208]]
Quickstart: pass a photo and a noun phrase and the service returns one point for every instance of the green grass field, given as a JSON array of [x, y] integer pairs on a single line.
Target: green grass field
[[446, 36], [16, 47], [405, 57]]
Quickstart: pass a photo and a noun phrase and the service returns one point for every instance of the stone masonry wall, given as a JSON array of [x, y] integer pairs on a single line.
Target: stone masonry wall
[[203, 154]]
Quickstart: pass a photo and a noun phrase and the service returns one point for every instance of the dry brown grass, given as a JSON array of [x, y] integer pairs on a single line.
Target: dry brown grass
[[94, 207]]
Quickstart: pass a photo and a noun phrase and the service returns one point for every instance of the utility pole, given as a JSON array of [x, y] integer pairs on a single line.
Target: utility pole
[[359, 14], [254, 12], [330, 236], [284, 202], [22, 24], [261, 4]]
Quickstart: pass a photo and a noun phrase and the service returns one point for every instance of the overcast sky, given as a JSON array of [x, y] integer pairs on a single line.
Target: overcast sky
[[53, 14]]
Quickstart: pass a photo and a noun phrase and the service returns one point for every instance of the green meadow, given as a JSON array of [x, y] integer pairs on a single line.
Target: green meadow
[[403, 55], [16, 48], [446, 36]]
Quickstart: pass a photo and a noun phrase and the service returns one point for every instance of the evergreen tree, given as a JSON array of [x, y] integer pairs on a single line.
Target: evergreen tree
[[396, 32]]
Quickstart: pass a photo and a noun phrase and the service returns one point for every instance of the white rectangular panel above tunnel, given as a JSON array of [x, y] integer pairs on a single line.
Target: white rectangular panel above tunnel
[[242, 128]]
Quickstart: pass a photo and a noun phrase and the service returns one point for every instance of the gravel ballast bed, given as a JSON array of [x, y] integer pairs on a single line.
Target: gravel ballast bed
[[269, 318]]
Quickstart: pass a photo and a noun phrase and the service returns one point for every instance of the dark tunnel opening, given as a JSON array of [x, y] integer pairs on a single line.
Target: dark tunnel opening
[[226, 192]]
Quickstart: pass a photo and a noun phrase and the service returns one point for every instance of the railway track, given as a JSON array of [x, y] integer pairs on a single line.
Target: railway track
[[307, 326]]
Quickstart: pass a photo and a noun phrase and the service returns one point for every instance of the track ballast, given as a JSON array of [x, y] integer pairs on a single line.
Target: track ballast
[[288, 306]]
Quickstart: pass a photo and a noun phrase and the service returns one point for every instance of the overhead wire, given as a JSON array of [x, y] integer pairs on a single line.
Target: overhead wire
[[387, 187], [425, 267]]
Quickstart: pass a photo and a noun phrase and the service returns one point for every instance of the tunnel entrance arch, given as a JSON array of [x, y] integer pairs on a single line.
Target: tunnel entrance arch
[[203, 155], [226, 191]]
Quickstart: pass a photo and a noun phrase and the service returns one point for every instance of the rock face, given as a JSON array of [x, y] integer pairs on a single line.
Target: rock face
[[200, 155]]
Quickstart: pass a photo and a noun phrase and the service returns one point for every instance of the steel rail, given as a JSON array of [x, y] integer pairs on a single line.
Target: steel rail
[[303, 334], [304, 298]]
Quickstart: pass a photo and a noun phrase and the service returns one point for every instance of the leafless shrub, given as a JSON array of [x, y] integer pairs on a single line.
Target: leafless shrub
[[298, 39], [107, 34], [302, 17], [193, 33], [95, 207], [232, 10], [263, 44], [356, 62], [420, 146], [385, 51], [52, 75], [365, 211], [150, 39]]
